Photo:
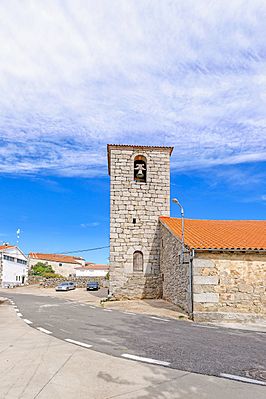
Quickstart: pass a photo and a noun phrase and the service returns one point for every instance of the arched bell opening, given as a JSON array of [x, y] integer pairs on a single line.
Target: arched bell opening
[[140, 169]]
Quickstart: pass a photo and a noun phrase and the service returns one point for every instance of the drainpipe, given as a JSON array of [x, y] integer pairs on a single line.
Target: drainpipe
[[192, 254]]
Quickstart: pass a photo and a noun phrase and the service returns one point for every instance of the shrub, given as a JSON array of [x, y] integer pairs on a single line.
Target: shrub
[[40, 269]]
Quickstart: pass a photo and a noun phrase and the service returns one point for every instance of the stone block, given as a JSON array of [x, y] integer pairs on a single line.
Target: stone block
[[205, 280], [207, 297], [197, 262]]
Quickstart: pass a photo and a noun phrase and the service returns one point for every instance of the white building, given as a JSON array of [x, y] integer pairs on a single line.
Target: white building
[[92, 270], [61, 264], [13, 266]]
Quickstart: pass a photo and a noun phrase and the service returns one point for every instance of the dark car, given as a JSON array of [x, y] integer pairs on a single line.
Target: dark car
[[93, 286]]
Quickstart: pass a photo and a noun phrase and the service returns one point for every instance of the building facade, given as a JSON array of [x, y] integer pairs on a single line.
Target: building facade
[[139, 194], [223, 273], [217, 273], [13, 266], [92, 270], [61, 264]]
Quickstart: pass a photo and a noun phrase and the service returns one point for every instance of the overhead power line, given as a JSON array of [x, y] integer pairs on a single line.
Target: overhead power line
[[83, 250], [79, 250]]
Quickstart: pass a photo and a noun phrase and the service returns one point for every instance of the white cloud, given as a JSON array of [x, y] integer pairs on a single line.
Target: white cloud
[[91, 224], [77, 75]]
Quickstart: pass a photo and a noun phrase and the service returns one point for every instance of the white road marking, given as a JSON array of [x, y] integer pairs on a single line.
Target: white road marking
[[19, 314], [82, 304], [72, 341], [27, 321], [158, 318], [145, 359], [44, 330], [133, 314], [16, 310], [92, 307], [242, 379], [107, 310]]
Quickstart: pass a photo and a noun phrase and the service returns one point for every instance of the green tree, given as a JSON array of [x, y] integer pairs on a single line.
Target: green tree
[[41, 269]]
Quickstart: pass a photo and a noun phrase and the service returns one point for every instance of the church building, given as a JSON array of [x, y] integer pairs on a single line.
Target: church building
[[218, 271]]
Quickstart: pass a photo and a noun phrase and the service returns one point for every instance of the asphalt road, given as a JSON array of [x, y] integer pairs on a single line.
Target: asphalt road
[[180, 344]]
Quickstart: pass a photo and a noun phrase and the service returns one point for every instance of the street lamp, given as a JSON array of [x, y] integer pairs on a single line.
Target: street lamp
[[175, 201]]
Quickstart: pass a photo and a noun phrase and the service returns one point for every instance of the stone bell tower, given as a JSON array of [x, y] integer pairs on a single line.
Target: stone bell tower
[[140, 193]]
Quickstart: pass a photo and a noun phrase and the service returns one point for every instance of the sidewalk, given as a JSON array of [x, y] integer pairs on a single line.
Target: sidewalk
[[34, 365], [155, 307]]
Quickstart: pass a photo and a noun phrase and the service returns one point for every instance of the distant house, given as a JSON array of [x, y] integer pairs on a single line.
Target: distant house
[[61, 264], [92, 270], [13, 266]]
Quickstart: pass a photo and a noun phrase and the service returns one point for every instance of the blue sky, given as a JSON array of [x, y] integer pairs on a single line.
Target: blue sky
[[75, 76]]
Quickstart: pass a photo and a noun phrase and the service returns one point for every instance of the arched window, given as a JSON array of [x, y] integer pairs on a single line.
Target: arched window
[[140, 169], [138, 261]]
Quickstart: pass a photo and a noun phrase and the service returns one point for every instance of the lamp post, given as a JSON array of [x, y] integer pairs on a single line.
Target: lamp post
[[175, 201]]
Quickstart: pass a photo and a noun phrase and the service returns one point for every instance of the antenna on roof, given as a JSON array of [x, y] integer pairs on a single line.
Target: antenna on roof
[[18, 235]]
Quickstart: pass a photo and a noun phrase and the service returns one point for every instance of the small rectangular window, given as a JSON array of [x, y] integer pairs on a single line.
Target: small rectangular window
[[10, 258], [134, 220], [21, 261]]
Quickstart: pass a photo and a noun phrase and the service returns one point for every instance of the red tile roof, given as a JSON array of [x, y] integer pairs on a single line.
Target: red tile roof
[[2, 247], [220, 234], [55, 258]]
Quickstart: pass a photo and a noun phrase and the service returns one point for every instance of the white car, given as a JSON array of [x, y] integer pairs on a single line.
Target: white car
[[65, 286]]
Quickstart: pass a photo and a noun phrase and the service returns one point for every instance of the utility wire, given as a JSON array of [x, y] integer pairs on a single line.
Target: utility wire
[[79, 250], [82, 250]]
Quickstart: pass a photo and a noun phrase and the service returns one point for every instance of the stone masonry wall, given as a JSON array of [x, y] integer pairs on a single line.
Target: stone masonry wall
[[229, 286], [175, 275], [81, 282], [145, 202]]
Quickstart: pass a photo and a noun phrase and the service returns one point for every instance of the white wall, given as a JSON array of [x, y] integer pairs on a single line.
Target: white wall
[[91, 273], [65, 270], [13, 272]]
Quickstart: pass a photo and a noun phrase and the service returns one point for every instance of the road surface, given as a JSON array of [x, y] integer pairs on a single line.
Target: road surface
[[173, 343]]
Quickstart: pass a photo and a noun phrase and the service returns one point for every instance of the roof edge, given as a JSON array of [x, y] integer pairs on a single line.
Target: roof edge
[[134, 146]]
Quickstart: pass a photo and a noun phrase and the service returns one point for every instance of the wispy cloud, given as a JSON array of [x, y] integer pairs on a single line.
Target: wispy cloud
[[76, 75], [91, 224]]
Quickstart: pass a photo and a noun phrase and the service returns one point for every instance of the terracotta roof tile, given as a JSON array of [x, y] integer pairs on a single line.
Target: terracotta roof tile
[[55, 258], [220, 234], [2, 247]]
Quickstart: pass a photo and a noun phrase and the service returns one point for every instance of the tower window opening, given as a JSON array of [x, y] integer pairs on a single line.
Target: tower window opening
[[140, 169], [138, 261], [134, 220]]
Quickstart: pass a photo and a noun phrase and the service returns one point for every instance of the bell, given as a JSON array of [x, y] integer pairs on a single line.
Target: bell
[[140, 174]]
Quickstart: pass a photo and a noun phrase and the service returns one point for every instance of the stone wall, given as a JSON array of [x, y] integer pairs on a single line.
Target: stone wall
[[80, 282], [175, 275], [229, 286], [144, 202]]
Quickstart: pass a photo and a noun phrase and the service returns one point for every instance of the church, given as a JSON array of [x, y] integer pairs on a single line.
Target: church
[[214, 270]]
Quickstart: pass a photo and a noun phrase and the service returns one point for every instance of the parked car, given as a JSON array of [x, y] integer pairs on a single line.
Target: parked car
[[93, 286], [65, 286]]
